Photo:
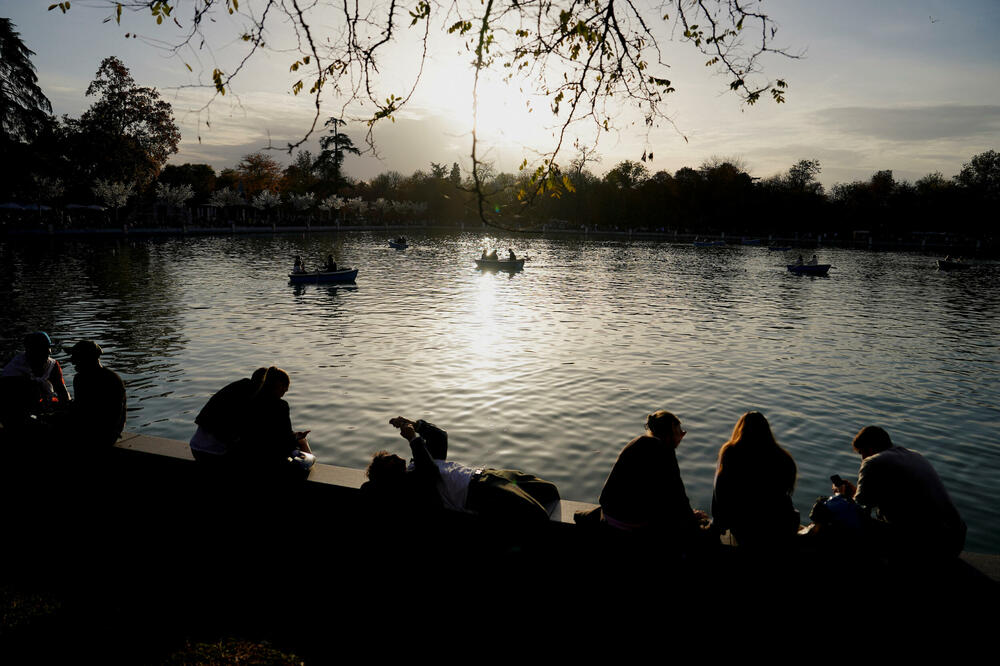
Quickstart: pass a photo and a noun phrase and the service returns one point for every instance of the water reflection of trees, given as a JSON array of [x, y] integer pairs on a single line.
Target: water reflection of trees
[[118, 293]]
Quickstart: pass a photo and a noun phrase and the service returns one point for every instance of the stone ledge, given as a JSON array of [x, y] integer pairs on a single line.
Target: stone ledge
[[352, 479]]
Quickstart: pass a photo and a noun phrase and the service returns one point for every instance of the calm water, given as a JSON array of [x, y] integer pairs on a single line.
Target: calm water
[[553, 369]]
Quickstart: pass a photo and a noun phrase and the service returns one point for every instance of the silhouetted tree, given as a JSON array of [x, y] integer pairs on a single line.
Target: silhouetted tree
[[335, 144], [24, 108]]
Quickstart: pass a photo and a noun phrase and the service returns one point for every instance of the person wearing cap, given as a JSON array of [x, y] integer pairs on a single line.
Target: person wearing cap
[[98, 413], [42, 374]]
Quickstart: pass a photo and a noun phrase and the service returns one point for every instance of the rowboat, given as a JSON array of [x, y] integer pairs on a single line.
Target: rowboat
[[398, 246], [809, 269], [321, 277], [946, 265], [500, 264]]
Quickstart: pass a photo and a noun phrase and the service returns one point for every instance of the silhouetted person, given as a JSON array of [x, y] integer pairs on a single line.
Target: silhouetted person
[[431, 480], [223, 419], [98, 412], [754, 480], [331, 265], [644, 492], [31, 385], [268, 439], [298, 266], [915, 517], [510, 254], [492, 256]]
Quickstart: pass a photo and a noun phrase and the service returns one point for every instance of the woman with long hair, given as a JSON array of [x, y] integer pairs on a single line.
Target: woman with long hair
[[754, 481]]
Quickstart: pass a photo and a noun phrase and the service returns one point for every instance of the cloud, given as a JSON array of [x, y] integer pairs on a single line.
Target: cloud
[[922, 123]]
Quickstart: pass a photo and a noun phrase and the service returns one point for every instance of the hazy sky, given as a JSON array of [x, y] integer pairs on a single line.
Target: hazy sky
[[907, 85]]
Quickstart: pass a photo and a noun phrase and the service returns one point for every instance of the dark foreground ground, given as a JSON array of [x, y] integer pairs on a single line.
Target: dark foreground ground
[[137, 560]]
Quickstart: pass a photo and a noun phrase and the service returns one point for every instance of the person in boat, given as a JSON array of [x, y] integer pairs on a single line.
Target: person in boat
[[492, 256], [799, 261], [914, 515], [31, 385], [221, 422], [331, 265], [97, 414], [484, 257], [298, 266], [813, 262], [644, 493], [754, 481], [510, 255], [267, 439], [429, 480]]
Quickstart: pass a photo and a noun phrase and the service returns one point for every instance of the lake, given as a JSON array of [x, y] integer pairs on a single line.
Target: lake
[[552, 369]]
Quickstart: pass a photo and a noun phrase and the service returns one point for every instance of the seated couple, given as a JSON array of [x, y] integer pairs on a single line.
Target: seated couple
[[430, 480]]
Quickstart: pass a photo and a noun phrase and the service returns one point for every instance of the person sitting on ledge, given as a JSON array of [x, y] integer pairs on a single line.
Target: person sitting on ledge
[[915, 517], [754, 480], [644, 492], [222, 420], [31, 385], [268, 439], [430, 480], [97, 416]]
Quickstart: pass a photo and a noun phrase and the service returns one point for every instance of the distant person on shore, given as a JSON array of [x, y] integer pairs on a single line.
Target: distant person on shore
[[914, 515], [97, 417], [331, 265], [268, 439], [429, 480], [644, 492], [222, 421], [298, 266], [754, 481], [31, 385]]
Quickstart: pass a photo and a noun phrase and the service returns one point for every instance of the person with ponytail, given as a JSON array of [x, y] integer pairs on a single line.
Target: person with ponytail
[[754, 481], [268, 436], [644, 492]]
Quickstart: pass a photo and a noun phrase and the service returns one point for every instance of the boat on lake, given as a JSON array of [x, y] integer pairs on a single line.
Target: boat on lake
[[399, 246], [809, 269], [500, 264], [324, 277]]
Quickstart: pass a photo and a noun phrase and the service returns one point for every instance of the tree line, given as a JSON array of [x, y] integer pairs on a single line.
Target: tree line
[[115, 154]]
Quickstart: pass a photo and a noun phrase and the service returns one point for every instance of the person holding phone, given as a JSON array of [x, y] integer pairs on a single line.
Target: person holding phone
[[268, 438], [430, 479]]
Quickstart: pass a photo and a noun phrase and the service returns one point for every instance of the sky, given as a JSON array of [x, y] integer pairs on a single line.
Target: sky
[[912, 86]]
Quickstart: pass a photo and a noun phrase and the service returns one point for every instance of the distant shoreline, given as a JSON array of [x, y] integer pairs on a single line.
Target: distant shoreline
[[931, 243]]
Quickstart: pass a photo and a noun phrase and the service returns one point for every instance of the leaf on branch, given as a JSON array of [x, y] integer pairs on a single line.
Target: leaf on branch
[[217, 78]]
